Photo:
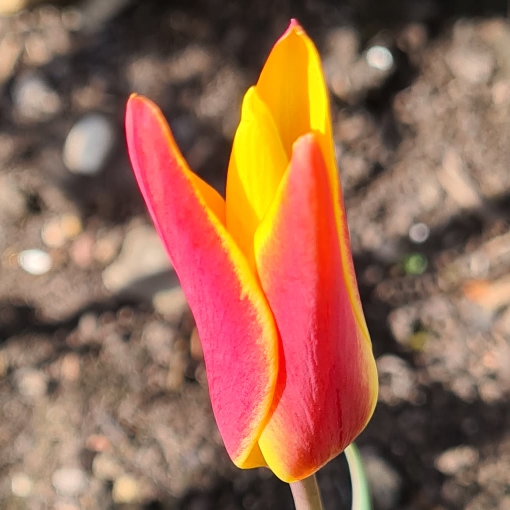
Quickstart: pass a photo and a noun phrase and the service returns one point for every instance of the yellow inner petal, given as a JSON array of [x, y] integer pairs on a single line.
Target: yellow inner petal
[[256, 166], [292, 86]]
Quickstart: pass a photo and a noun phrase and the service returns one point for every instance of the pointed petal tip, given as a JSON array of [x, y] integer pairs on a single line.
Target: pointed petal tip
[[294, 27]]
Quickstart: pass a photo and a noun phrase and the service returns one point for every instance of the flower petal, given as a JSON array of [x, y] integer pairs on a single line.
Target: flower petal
[[327, 379], [292, 86], [234, 321], [257, 164]]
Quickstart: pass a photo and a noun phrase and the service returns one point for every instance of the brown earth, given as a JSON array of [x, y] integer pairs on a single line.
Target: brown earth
[[103, 396]]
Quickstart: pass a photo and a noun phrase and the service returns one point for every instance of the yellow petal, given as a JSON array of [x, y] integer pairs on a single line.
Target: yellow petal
[[292, 86], [256, 166]]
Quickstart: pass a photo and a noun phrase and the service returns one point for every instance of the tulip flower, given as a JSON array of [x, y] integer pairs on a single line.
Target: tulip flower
[[268, 271]]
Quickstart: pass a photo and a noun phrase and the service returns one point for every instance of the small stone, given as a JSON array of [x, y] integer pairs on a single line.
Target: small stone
[[456, 459], [105, 467], [52, 234], [419, 233], [142, 256], [9, 7], [97, 443], [384, 481], [71, 226], [21, 485], [10, 49], [176, 372], [65, 505], [170, 303], [501, 93], [396, 380], [35, 262], [4, 364], [88, 144], [13, 204], [87, 325], [342, 44], [413, 37], [69, 481], [159, 339], [126, 489], [470, 65], [70, 368], [457, 183], [57, 231], [37, 51], [106, 249], [72, 19], [196, 350], [34, 99], [81, 250], [379, 58], [31, 383]]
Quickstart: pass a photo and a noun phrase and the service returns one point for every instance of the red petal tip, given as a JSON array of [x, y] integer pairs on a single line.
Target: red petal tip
[[293, 26]]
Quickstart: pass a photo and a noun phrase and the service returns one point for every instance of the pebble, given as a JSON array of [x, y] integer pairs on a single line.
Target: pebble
[[52, 234], [9, 7], [70, 369], [170, 303], [396, 380], [71, 226], [470, 65], [13, 204], [87, 325], [105, 467], [65, 505], [21, 485], [195, 348], [342, 45], [142, 256], [31, 383], [384, 481], [57, 231], [176, 372], [69, 481], [159, 339], [126, 489], [379, 58], [501, 93], [4, 364], [37, 52], [88, 144], [34, 98], [81, 250], [35, 262], [106, 249], [456, 459], [419, 233], [97, 443]]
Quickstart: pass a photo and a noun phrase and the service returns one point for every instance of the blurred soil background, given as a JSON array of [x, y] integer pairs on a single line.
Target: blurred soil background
[[103, 395]]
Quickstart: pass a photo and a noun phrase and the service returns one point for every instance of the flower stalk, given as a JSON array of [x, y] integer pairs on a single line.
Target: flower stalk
[[306, 494]]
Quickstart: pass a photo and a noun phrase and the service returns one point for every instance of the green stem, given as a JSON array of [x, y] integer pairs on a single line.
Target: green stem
[[359, 483], [306, 494]]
